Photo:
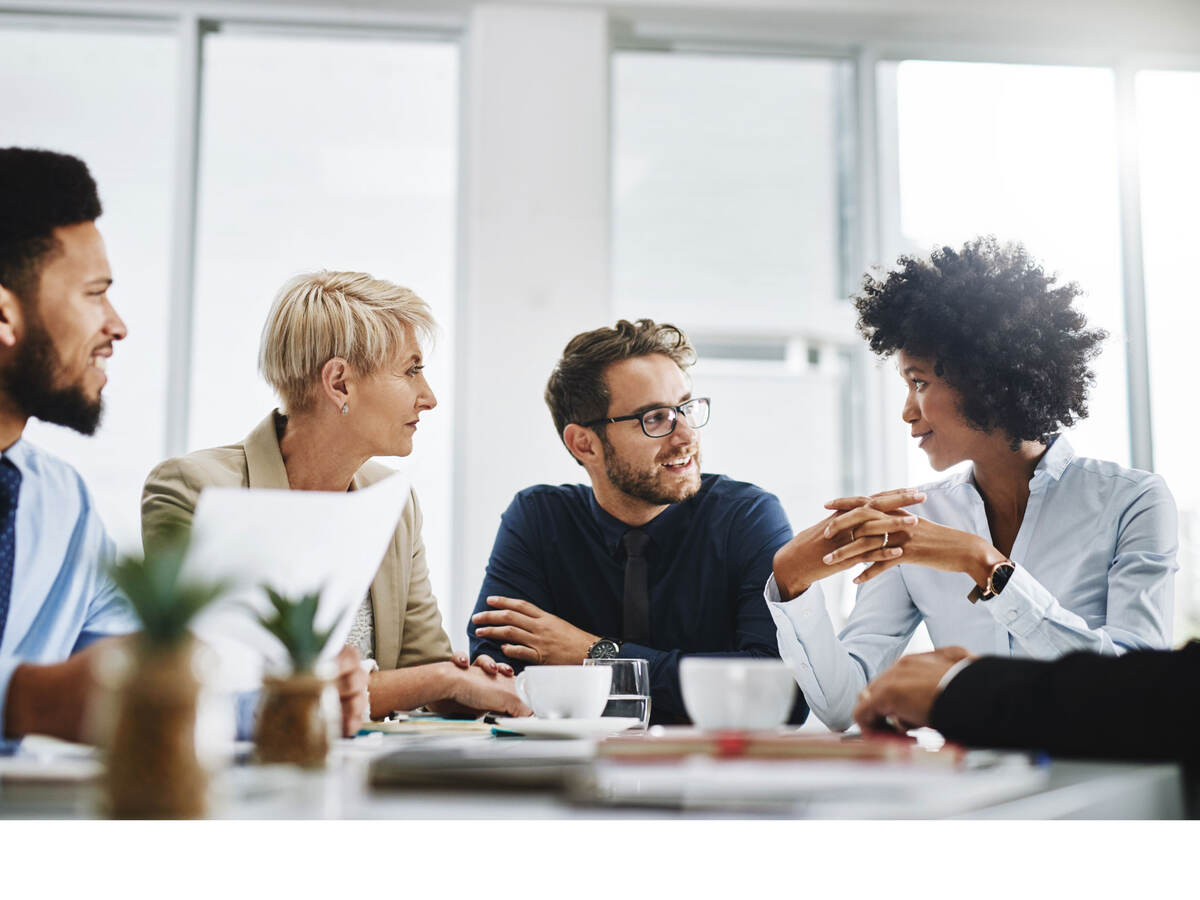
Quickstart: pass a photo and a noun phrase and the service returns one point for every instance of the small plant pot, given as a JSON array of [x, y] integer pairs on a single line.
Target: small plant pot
[[153, 770], [295, 724]]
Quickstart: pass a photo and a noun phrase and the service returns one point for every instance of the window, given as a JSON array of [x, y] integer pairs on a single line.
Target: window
[[324, 153], [1022, 152], [729, 219], [1169, 138]]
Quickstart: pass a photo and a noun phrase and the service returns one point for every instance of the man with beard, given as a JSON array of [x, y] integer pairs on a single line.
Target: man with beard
[[57, 331], [652, 561]]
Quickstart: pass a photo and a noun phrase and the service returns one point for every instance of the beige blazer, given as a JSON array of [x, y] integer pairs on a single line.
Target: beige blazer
[[408, 626]]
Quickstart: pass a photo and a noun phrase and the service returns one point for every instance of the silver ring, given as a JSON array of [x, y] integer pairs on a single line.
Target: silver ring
[[885, 540]]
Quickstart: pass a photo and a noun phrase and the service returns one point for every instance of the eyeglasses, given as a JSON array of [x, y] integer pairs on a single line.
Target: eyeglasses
[[660, 421]]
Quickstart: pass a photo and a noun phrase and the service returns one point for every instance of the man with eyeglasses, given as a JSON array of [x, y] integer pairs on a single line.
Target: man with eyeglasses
[[653, 561]]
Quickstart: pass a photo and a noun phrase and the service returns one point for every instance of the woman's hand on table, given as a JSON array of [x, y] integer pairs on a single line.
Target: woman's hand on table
[[480, 691], [351, 685]]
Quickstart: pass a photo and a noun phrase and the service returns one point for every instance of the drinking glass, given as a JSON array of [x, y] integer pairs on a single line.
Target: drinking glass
[[629, 695]]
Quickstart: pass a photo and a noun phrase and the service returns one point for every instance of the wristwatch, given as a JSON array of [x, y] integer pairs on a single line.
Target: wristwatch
[[997, 579], [605, 648]]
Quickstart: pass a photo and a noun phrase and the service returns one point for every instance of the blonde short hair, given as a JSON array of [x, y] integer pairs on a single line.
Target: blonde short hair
[[318, 316]]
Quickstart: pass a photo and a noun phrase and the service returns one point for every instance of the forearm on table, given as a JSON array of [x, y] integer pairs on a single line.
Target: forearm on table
[[412, 687], [47, 699]]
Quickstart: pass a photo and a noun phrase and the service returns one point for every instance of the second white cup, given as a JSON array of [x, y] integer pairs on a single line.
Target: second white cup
[[565, 692]]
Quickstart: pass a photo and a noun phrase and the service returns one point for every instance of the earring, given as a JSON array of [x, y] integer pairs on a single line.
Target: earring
[[345, 408]]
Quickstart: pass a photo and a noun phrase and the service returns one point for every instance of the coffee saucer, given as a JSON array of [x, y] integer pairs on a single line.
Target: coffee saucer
[[531, 726]]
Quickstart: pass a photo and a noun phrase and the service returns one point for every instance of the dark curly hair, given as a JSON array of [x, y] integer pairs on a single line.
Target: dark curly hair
[[998, 330], [577, 391], [40, 190]]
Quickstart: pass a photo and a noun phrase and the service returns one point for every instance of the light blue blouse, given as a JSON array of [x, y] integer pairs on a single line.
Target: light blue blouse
[[1095, 571]]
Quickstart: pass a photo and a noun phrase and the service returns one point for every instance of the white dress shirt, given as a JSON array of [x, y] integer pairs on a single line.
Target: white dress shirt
[[1095, 570]]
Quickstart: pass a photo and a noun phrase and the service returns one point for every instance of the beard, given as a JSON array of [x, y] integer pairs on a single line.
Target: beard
[[648, 484], [31, 382]]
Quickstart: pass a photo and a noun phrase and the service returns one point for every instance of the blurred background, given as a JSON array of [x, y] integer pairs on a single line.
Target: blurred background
[[535, 170]]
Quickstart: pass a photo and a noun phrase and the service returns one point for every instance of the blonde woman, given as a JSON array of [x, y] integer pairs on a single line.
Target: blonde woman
[[343, 352]]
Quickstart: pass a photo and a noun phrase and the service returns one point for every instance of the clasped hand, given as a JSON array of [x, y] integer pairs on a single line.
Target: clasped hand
[[879, 531], [853, 534]]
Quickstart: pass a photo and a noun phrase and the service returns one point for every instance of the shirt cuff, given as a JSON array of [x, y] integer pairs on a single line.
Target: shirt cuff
[[952, 671], [772, 595], [1021, 606]]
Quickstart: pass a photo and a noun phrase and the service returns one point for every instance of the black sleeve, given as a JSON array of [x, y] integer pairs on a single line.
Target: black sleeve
[[515, 570], [1142, 705]]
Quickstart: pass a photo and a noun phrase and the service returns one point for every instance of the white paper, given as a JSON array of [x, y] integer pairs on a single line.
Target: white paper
[[297, 542]]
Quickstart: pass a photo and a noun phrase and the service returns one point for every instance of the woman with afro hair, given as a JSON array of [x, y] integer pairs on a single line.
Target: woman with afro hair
[[1032, 551]]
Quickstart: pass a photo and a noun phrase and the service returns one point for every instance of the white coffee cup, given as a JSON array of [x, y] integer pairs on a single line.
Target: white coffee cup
[[742, 694], [565, 692]]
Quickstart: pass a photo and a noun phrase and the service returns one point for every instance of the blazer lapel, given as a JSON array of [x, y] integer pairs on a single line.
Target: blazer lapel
[[264, 462], [388, 615]]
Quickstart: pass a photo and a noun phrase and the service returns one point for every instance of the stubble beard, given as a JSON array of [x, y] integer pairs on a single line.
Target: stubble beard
[[30, 382], [645, 484]]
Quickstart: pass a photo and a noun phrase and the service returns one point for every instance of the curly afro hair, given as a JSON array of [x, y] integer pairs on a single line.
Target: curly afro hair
[[40, 190], [997, 329]]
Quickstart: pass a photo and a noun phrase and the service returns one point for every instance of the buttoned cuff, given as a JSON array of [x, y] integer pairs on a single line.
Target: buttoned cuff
[[1021, 606], [800, 601]]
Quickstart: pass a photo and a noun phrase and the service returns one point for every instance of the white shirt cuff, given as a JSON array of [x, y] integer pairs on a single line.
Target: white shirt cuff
[[951, 672]]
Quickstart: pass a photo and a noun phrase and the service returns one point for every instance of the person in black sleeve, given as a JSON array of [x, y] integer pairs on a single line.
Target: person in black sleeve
[[653, 560], [1142, 705]]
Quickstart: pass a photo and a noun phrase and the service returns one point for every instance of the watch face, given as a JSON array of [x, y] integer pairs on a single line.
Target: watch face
[[604, 649], [1000, 577]]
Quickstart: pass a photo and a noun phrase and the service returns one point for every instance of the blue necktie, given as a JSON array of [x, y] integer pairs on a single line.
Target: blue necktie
[[10, 487]]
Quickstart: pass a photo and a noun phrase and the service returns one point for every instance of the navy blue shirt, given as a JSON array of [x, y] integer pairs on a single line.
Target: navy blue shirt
[[708, 559]]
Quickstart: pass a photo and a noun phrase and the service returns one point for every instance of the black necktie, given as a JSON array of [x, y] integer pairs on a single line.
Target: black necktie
[[636, 606], [10, 486]]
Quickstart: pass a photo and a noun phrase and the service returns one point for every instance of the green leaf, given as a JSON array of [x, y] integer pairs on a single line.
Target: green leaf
[[165, 605], [293, 623]]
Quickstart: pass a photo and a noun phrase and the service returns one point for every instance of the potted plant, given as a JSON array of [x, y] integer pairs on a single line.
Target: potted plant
[[297, 713], [153, 770]]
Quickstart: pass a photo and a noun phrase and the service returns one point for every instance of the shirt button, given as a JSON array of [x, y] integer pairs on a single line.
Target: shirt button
[[804, 666], [1012, 615]]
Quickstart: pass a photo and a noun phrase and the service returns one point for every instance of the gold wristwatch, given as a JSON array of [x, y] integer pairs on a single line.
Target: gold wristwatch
[[997, 579]]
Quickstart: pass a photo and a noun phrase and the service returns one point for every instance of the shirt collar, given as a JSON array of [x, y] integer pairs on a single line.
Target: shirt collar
[[21, 455], [1054, 461], [1050, 467], [664, 529]]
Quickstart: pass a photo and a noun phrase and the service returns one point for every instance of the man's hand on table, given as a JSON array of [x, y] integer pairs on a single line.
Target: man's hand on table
[[351, 684], [904, 694], [530, 634], [484, 662]]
